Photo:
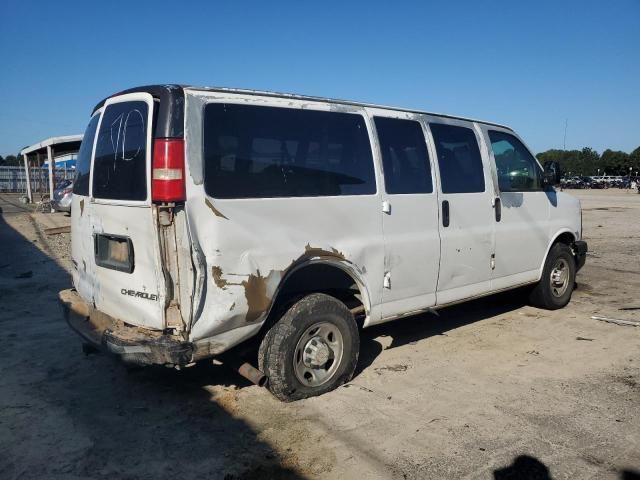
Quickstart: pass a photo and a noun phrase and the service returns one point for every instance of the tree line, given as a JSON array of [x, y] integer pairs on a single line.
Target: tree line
[[579, 162], [588, 162], [11, 160]]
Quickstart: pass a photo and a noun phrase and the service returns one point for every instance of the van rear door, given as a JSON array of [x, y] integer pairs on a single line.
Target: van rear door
[[127, 281]]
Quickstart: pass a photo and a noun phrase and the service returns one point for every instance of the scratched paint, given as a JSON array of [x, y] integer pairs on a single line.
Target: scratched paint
[[215, 211]]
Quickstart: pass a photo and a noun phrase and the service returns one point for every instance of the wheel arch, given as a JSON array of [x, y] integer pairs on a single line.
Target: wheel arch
[[318, 275], [564, 235]]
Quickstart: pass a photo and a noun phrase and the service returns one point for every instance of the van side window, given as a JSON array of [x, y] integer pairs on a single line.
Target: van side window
[[83, 163], [404, 156], [517, 170], [459, 159], [260, 152], [120, 164]]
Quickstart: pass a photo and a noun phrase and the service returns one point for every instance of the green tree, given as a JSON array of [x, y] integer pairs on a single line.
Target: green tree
[[616, 162], [634, 160], [575, 161], [589, 161], [12, 160]]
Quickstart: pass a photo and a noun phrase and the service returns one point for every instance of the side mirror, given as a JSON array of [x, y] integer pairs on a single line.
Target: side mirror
[[552, 173]]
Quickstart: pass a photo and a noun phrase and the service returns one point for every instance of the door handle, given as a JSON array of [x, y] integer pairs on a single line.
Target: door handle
[[445, 213], [497, 205]]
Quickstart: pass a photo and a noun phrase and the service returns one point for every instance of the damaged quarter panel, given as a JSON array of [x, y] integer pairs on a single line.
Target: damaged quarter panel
[[250, 244]]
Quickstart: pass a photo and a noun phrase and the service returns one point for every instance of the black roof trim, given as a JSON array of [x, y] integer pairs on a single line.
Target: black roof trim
[[169, 122]]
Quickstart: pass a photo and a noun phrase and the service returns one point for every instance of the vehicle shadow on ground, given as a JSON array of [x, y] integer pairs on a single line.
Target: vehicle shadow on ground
[[526, 467], [64, 414], [419, 327], [523, 467]]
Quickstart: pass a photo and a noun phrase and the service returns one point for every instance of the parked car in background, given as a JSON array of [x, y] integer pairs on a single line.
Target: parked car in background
[[586, 182], [62, 195], [575, 182]]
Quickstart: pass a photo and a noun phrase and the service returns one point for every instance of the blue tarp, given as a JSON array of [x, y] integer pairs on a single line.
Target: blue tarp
[[61, 164]]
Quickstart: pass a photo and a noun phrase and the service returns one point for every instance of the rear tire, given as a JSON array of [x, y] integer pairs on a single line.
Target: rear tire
[[554, 289], [311, 350]]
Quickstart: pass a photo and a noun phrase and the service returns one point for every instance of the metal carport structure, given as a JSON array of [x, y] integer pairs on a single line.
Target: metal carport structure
[[54, 146]]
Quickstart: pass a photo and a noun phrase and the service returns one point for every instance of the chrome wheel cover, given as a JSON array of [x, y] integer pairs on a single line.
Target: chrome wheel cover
[[560, 274], [318, 354]]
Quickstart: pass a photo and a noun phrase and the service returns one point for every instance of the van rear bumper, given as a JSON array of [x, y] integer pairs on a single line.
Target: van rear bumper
[[132, 344]]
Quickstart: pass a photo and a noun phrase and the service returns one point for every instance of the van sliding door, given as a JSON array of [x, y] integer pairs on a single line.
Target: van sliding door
[[466, 211], [410, 215]]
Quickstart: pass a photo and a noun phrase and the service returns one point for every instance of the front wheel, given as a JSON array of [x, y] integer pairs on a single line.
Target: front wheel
[[554, 289], [311, 350]]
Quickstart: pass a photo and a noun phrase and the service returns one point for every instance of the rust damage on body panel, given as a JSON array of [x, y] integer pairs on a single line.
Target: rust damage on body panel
[[259, 290], [255, 291], [310, 251], [215, 211], [216, 273]]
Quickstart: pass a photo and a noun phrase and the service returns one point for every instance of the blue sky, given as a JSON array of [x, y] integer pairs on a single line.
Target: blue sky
[[530, 65]]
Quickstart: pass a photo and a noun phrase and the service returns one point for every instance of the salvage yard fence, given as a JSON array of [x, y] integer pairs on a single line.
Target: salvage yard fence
[[13, 178]]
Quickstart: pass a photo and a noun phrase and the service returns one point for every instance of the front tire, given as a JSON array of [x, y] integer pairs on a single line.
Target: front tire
[[311, 350], [554, 289]]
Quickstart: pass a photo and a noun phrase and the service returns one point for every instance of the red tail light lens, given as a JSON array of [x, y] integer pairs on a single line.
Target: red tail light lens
[[167, 171]]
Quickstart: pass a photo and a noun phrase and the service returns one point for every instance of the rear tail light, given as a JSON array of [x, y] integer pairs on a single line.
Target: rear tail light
[[167, 171]]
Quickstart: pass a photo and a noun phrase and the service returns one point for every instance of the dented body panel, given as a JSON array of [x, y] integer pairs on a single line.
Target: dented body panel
[[251, 245]]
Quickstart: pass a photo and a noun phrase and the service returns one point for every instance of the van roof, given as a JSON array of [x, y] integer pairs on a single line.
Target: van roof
[[170, 92]]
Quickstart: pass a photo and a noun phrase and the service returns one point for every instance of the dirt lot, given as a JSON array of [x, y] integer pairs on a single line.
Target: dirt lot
[[491, 389]]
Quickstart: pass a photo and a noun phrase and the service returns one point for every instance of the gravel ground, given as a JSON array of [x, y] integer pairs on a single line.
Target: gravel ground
[[490, 389]]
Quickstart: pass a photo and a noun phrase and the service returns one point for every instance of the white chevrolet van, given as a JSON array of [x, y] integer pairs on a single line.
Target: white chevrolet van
[[204, 218]]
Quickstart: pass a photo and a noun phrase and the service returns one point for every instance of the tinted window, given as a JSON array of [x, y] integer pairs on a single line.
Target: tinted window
[[517, 170], [120, 166], [404, 156], [257, 152], [458, 159], [83, 163]]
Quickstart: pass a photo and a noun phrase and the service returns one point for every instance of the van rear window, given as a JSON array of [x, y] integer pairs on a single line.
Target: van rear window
[[120, 166], [83, 164], [260, 152]]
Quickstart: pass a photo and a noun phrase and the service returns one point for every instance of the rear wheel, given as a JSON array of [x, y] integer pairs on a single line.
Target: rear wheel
[[311, 350], [554, 289]]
